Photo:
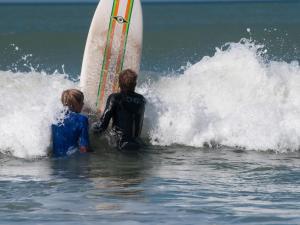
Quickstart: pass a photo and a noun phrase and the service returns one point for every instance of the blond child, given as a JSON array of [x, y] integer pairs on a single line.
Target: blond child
[[71, 134]]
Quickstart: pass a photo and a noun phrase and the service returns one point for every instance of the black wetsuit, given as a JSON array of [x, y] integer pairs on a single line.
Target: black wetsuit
[[127, 113]]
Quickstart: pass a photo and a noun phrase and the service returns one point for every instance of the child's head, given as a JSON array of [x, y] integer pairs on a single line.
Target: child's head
[[127, 80], [73, 99]]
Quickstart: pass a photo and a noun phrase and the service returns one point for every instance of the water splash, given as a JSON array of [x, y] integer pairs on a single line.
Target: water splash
[[234, 98], [29, 102]]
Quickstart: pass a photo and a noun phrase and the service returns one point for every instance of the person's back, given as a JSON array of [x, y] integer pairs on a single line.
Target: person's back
[[129, 114], [126, 109], [71, 134]]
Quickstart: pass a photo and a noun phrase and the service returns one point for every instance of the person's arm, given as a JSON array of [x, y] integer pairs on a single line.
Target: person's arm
[[139, 119], [103, 123], [84, 142]]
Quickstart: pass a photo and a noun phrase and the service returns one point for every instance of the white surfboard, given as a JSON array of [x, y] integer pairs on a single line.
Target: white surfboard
[[114, 43]]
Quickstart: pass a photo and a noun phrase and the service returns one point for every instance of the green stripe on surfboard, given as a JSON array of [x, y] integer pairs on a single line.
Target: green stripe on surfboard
[[106, 47]]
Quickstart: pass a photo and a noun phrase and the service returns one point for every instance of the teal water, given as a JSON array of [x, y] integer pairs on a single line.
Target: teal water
[[241, 94], [159, 186], [174, 34]]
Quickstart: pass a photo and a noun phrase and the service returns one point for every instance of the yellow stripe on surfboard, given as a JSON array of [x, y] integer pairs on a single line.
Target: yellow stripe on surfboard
[[125, 21], [107, 53], [122, 49]]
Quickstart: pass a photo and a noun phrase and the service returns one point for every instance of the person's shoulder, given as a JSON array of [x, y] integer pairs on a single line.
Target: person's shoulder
[[141, 97], [114, 96], [82, 116], [83, 119], [79, 116]]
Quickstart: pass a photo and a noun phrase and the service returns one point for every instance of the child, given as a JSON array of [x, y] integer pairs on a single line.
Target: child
[[72, 133], [126, 109]]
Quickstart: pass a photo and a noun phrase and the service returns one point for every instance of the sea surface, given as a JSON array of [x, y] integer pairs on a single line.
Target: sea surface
[[222, 124]]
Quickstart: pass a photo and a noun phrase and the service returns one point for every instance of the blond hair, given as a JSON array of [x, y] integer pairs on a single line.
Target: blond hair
[[72, 98]]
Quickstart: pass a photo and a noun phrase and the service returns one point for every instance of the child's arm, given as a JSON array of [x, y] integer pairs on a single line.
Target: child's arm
[[139, 119], [84, 141], [102, 125]]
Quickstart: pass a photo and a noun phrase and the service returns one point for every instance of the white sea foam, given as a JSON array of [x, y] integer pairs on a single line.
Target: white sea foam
[[29, 102], [234, 98]]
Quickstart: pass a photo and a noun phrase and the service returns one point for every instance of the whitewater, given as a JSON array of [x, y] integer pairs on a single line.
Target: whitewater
[[235, 98], [30, 103]]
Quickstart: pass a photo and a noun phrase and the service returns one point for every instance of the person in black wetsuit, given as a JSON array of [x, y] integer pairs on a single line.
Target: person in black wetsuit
[[126, 109]]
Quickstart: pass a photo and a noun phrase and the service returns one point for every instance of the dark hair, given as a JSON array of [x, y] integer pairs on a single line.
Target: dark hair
[[127, 80], [72, 98]]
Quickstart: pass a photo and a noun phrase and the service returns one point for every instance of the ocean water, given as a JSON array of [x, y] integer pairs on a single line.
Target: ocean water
[[222, 81]]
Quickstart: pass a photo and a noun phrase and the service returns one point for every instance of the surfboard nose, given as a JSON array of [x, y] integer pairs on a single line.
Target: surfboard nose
[[114, 43]]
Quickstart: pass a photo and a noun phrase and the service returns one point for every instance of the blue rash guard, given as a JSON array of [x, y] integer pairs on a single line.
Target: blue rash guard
[[71, 134]]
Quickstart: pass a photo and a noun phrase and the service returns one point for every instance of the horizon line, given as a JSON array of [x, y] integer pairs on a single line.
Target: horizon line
[[10, 2]]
